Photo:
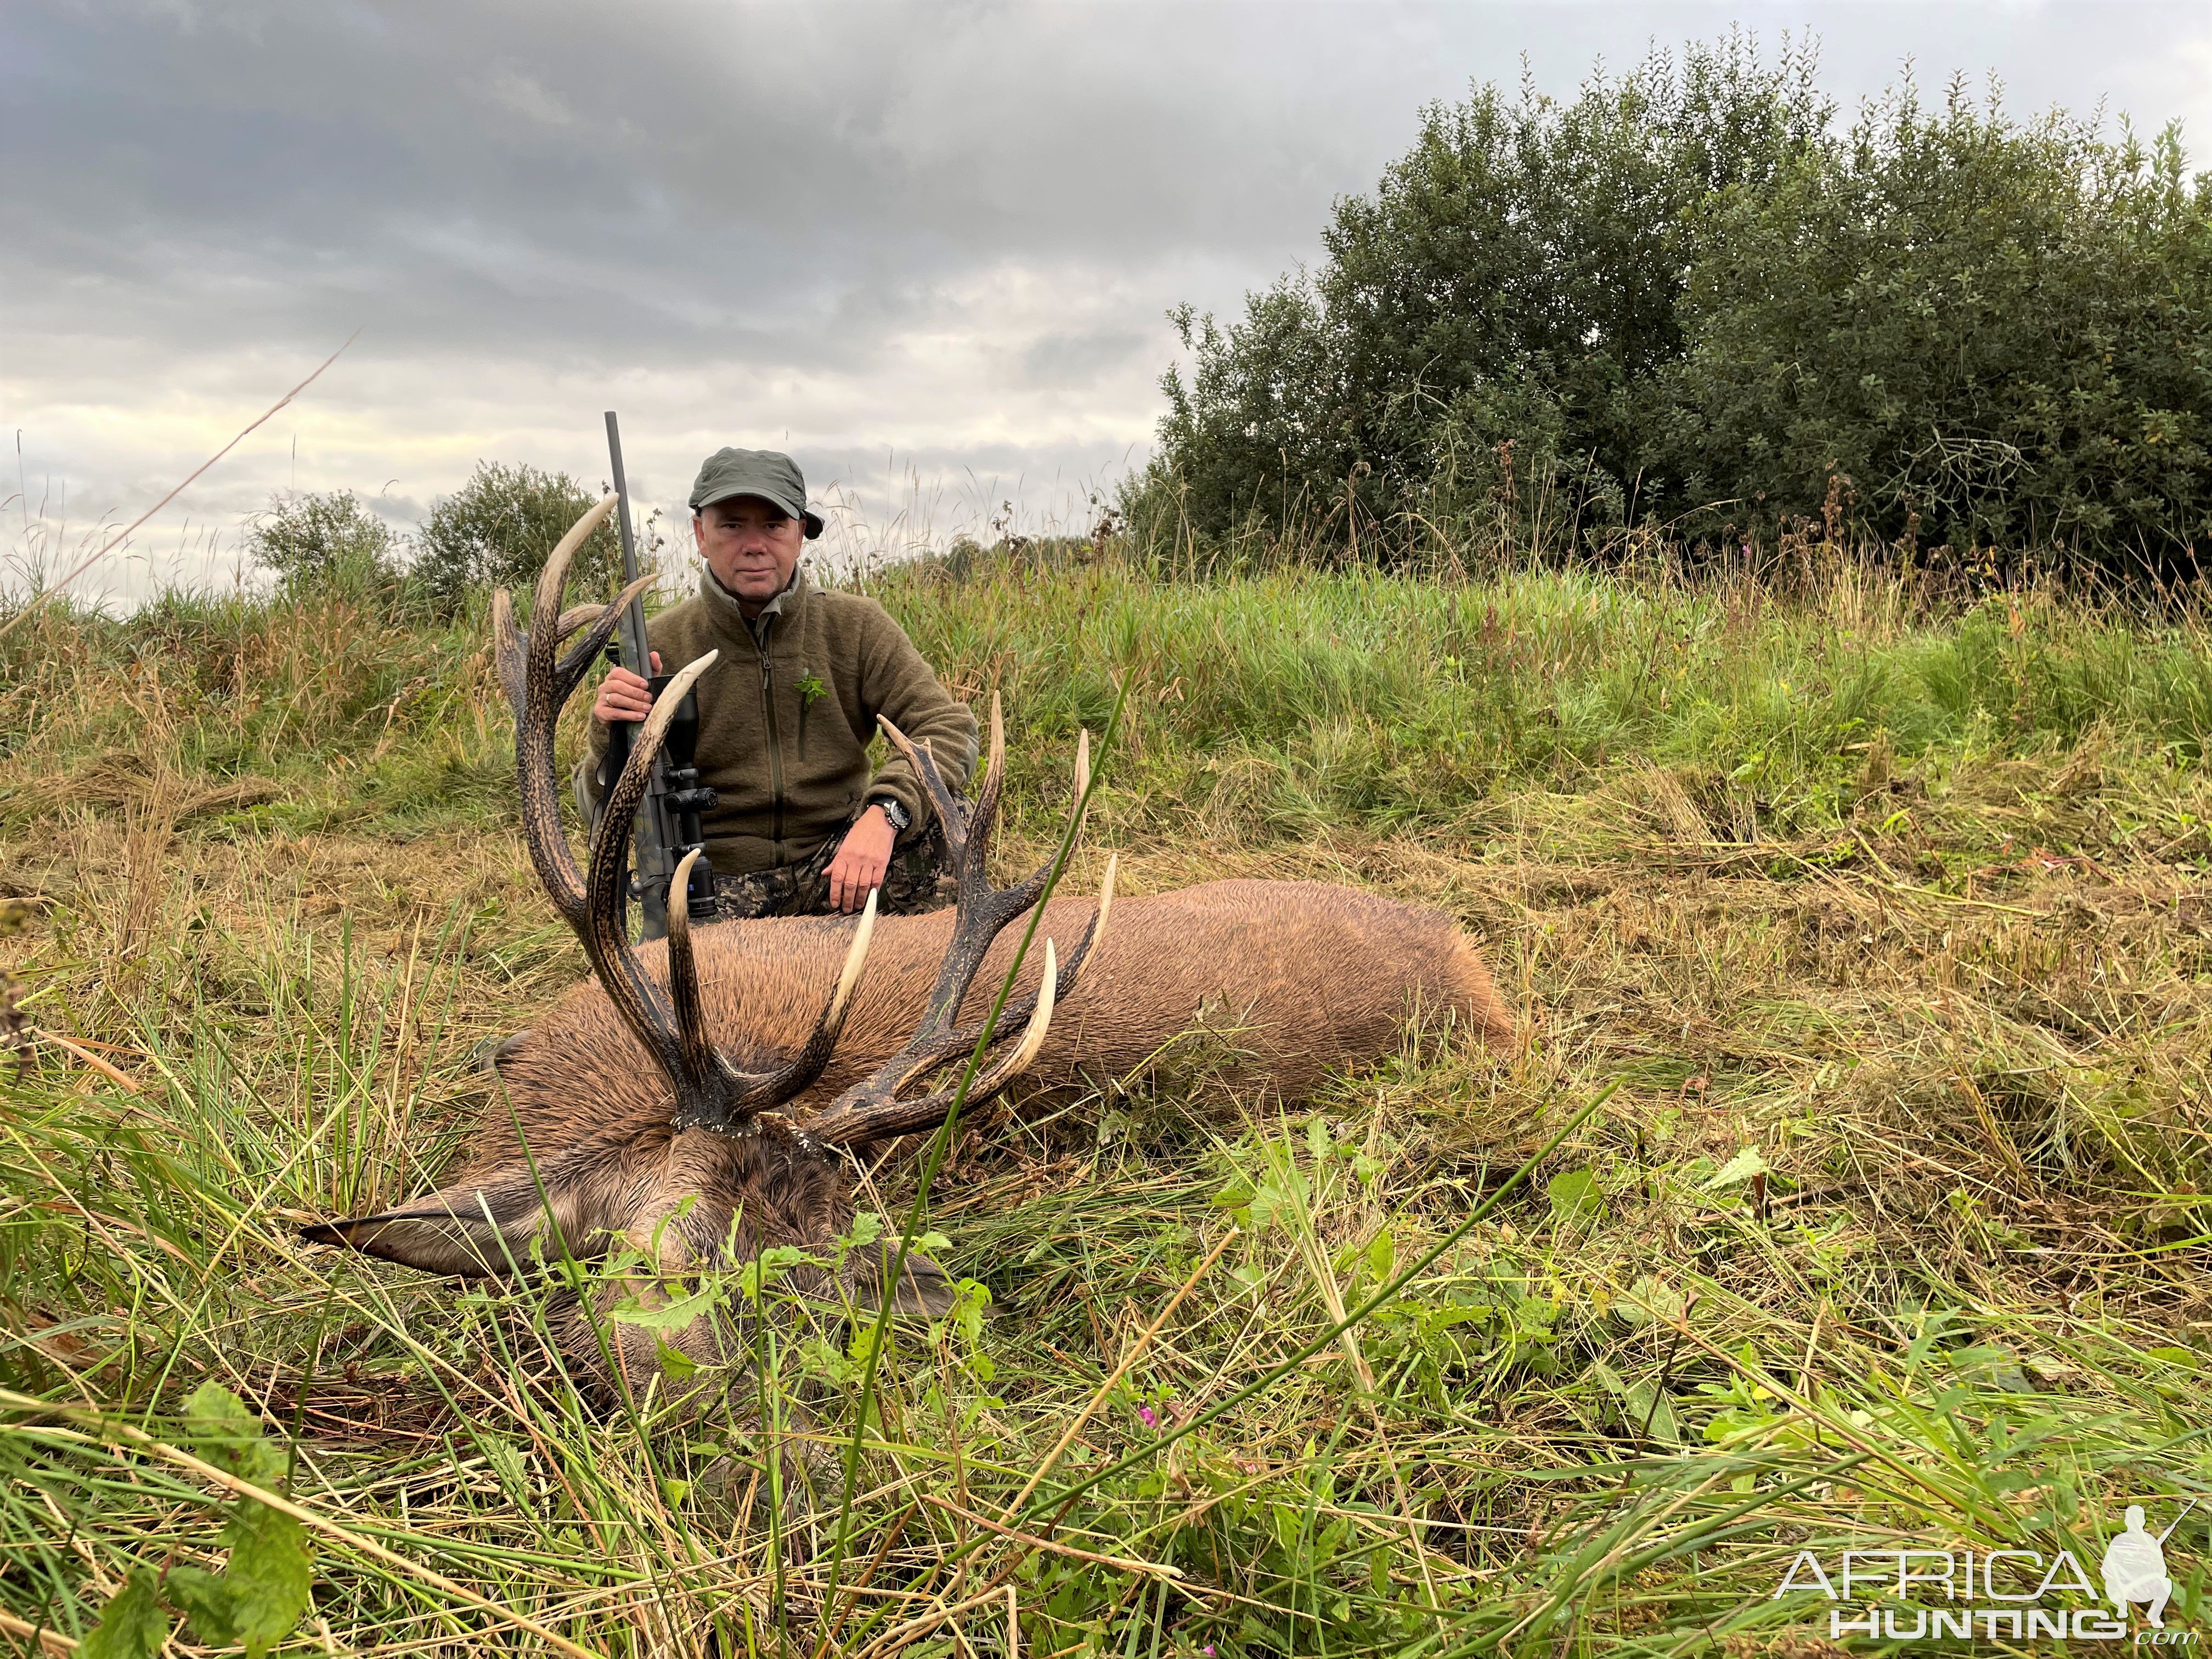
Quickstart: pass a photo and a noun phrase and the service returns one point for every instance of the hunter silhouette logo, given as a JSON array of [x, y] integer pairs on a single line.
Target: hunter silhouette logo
[[1964, 1596], [2134, 1566]]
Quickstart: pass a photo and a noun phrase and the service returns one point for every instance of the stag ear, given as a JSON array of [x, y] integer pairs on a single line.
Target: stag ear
[[924, 1288], [484, 1227]]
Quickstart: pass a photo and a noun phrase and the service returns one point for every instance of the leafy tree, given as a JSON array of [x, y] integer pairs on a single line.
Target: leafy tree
[[2002, 334], [495, 530], [1546, 245], [1524, 254], [1684, 294], [1263, 418], [325, 543]]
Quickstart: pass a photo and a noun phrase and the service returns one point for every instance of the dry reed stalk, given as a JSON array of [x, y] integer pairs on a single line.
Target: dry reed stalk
[[42, 601]]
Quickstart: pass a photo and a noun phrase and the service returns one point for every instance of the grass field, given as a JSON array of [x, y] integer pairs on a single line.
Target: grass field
[[1887, 924]]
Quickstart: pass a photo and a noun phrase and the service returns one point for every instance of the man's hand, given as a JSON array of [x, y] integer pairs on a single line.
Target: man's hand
[[624, 696], [862, 861]]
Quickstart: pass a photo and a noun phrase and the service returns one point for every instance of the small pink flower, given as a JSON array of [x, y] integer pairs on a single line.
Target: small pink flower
[[1148, 1417], [1206, 1652]]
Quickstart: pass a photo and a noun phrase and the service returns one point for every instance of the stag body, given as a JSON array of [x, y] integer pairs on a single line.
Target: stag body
[[1309, 977], [684, 1111]]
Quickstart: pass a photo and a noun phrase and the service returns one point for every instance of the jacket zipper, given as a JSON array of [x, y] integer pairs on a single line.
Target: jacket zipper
[[774, 738]]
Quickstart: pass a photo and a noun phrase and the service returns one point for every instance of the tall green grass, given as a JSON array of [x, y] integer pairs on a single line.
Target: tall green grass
[[1294, 700]]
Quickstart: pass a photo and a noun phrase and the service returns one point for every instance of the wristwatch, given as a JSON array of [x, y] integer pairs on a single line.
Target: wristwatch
[[901, 819]]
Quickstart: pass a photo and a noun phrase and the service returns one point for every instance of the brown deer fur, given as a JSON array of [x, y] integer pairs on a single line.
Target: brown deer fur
[[1310, 976]]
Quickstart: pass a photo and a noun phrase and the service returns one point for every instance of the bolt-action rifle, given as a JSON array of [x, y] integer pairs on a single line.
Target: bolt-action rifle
[[668, 819]]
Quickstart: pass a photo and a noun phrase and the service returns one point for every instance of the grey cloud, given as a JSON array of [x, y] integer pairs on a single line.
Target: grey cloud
[[947, 233], [1070, 360]]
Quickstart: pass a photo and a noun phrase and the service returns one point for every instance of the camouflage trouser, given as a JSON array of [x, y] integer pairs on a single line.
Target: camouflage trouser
[[916, 881]]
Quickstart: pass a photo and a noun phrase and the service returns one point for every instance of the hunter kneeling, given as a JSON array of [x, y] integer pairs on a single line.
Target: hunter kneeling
[[802, 824]]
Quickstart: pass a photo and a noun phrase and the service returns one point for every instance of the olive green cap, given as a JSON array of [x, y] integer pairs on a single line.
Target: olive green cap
[[767, 473]]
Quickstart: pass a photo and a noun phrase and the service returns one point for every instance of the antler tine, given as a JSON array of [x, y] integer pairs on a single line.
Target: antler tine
[[985, 816], [773, 1088], [538, 687], [959, 819], [604, 927], [906, 1116], [507, 653], [767, 1088], [577, 614], [983, 910], [873, 1108], [1020, 1008], [710, 1092], [699, 1055], [597, 622], [952, 810], [1033, 1035]]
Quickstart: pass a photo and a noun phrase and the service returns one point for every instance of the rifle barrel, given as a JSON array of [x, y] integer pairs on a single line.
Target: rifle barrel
[[633, 622]]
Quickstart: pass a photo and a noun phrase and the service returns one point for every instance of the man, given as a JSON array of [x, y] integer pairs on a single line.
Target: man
[[803, 824]]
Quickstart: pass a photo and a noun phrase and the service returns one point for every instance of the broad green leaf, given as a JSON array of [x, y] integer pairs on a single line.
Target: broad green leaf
[[268, 1574], [674, 1316], [130, 1626], [674, 1361], [970, 1299], [1574, 1194], [1738, 1170], [1648, 1299], [227, 1435], [207, 1601]]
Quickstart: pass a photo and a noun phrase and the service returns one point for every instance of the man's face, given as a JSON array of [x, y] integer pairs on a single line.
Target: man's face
[[751, 545]]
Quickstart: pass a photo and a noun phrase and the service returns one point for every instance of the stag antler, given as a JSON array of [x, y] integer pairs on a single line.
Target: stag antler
[[710, 1092], [872, 1109]]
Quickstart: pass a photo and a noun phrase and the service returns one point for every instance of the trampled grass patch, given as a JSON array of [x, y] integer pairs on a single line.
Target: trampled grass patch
[[1888, 929]]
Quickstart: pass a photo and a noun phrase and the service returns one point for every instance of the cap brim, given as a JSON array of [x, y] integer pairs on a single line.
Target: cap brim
[[807, 515]]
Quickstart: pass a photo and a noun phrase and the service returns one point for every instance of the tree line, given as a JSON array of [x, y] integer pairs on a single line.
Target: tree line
[[1689, 298]]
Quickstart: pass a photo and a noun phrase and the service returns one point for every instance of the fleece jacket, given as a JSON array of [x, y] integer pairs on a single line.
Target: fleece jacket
[[786, 713]]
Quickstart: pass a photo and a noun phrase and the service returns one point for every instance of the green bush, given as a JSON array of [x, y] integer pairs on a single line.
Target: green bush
[[495, 530], [1525, 253], [2001, 334], [1684, 298], [324, 543]]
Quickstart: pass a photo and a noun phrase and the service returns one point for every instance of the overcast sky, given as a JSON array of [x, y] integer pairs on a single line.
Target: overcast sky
[[927, 249]]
